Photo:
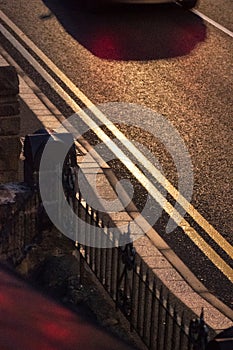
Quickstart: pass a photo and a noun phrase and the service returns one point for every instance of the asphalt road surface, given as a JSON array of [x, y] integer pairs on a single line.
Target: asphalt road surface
[[166, 59]]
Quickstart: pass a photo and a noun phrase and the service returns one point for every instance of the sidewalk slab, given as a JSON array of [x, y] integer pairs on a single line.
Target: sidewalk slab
[[158, 256]]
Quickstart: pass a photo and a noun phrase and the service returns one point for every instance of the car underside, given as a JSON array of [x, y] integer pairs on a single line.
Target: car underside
[[187, 4]]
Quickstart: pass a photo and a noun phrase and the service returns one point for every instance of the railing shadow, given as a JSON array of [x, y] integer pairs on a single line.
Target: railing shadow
[[139, 32]]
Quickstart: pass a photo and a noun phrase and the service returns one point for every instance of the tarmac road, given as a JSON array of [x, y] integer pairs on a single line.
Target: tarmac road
[[168, 60]]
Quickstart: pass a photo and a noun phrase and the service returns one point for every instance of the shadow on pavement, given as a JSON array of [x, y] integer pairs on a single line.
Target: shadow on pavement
[[130, 32]]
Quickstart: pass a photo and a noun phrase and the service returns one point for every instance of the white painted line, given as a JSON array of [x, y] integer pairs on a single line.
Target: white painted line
[[189, 231], [211, 21]]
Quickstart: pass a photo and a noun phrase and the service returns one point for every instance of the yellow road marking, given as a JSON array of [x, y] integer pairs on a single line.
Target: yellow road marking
[[189, 231]]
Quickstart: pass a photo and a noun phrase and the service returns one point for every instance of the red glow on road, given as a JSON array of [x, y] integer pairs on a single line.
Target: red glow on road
[[105, 45]]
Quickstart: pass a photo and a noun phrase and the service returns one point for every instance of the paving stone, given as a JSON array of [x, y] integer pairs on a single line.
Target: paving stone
[[155, 262], [216, 320], [148, 250], [152, 256], [179, 287]]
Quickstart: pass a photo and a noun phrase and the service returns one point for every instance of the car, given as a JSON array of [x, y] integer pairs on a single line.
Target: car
[[186, 4]]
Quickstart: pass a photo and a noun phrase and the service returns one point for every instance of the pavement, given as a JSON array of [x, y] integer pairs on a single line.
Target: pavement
[[38, 112], [28, 318]]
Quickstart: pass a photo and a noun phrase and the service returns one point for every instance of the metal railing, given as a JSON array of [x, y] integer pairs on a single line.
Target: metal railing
[[148, 306], [134, 288]]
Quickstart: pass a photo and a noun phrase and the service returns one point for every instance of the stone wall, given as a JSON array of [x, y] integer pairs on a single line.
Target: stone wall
[[10, 146], [18, 220]]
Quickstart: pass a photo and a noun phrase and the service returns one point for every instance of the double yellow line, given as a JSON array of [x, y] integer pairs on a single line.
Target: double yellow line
[[199, 219]]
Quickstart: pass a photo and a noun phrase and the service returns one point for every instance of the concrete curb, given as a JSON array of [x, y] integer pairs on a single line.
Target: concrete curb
[[166, 265]]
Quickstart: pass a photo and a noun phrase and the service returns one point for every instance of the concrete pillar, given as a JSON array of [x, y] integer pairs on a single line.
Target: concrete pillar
[[10, 146]]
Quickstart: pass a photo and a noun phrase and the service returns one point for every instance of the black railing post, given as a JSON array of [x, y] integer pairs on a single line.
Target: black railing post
[[160, 318], [127, 279], [198, 333], [153, 312], [167, 319], [108, 262], [147, 310], [126, 261], [182, 332], [139, 313]]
